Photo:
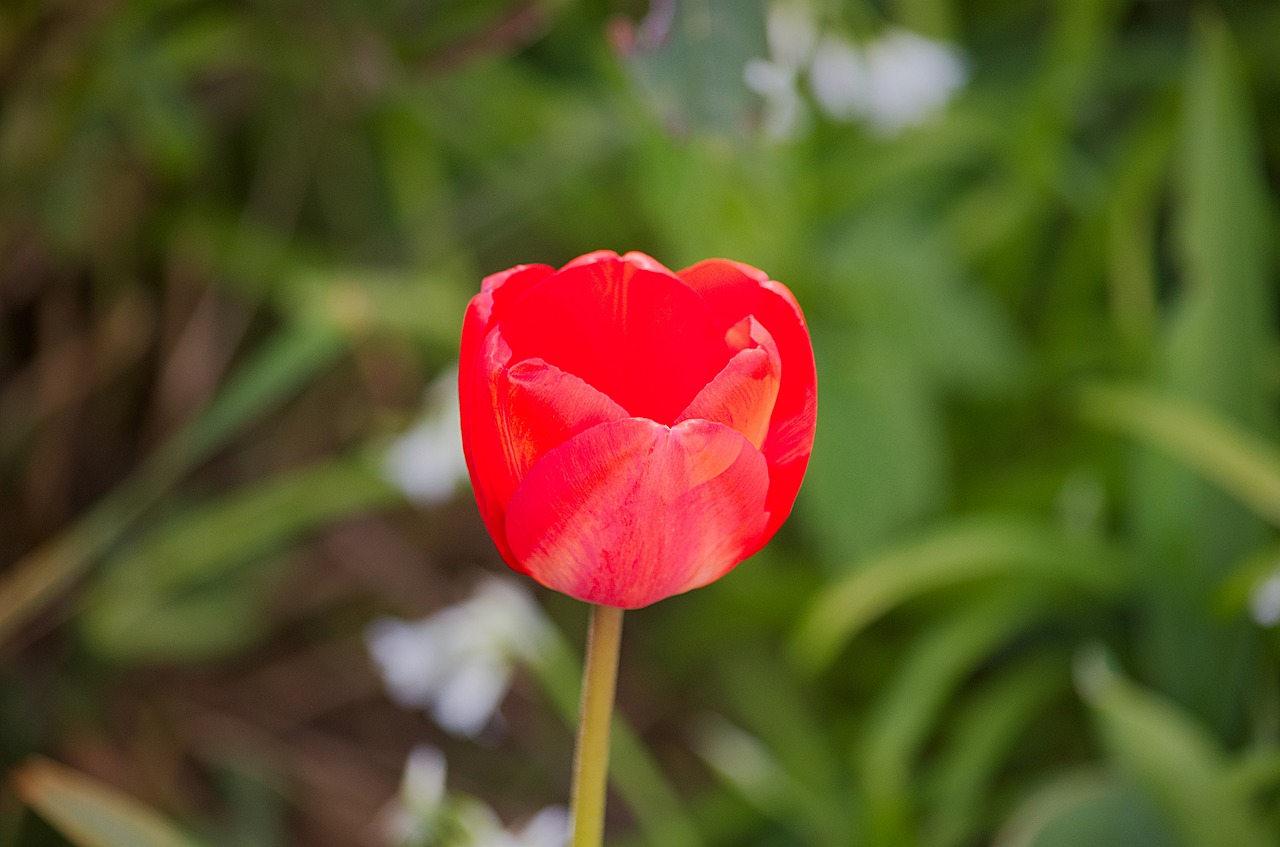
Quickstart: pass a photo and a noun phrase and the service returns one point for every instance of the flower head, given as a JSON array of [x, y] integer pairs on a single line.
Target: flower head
[[634, 433]]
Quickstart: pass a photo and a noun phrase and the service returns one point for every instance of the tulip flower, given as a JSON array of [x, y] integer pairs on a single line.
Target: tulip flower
[[633, 433]]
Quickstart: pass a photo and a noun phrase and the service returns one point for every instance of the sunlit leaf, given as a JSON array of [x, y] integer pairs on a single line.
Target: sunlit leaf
[[1240, 462], [90, 813]]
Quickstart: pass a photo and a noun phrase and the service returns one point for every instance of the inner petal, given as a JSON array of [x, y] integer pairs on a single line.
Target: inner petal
[[629, 512], [637, 334], [733, 290], [742, 395]]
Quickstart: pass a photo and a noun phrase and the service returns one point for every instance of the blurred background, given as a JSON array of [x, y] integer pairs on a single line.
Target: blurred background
[[1029, 591]]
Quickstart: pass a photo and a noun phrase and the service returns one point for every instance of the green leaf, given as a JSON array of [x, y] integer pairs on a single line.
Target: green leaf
[[774, 707], [745, 763], [1213, 356], [90, 813], [1086, 808], [1242, 463], [1222, 333], [280, 368], [909, 709], [961, 553], [191, 588], [1133, 208], [879, 445], [424, 307], [988, 724], [1173, 757]]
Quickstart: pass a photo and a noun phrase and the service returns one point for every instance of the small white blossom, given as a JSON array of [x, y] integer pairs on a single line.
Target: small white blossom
[[427, 461], [421, 796], [456, 664], [791, 33], [840, 80], [1264, 600], [548, 828], [424, 815], [899, 80]]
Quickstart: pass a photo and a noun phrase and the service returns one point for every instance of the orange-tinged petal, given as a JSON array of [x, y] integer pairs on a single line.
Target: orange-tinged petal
[[521, 412], [631, 511], [733, 291], [742, 395]]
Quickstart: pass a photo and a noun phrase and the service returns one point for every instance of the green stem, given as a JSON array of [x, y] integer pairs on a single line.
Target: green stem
[[591, 758]]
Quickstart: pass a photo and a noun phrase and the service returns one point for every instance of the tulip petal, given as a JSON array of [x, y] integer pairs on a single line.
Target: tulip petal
[[742, 395], [520, 412], [634, 258], [496, 293], [637, 334], [733, 290], [631, 511]]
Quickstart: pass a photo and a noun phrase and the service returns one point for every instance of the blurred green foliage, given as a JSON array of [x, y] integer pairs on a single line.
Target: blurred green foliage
[[1024, 596]]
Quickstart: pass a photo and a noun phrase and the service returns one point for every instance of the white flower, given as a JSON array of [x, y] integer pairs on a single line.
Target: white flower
[[424, 814], [548, 828], [456, 664], [421, 796], [427, 461], [1264, 600], [791, 32], [899, 80], [840, 79], [480, 827]]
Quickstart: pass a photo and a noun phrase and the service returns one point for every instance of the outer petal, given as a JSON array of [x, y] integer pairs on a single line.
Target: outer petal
[[631, 511], [639, 335], [496, 293], [733, 291], [742, 396], [521, 412]]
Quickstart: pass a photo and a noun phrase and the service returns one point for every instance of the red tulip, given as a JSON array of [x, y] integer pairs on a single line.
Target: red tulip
[[633, 433]]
